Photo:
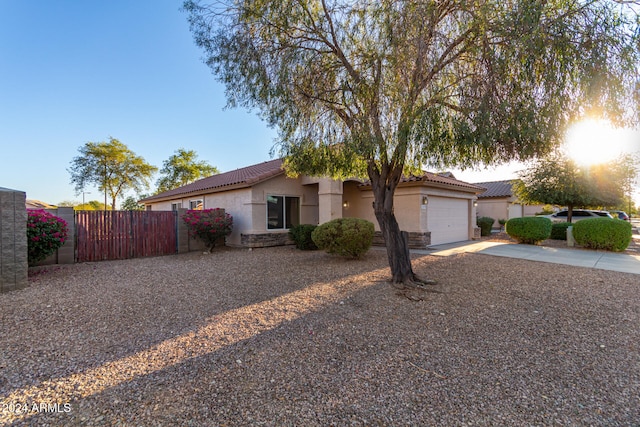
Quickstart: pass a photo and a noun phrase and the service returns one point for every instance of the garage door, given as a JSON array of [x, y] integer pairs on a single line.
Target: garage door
[[448, 220]]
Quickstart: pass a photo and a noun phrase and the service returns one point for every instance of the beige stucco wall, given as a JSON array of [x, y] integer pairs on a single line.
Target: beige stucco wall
[[410, 213], [494, 208], [283, 186], [505, 208], [322, 200]]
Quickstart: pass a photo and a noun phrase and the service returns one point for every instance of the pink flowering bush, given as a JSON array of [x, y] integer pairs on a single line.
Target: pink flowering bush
[[45, 234], [209, 225]]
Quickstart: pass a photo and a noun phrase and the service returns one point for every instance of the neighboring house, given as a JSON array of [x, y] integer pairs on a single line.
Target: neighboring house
[[498, 202], [265, 203], [37, 204]]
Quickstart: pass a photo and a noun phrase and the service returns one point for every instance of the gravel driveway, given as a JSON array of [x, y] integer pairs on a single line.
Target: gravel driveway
[[282, 337]]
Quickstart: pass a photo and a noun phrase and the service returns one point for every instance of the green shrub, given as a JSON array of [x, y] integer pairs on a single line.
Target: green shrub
[[46, 233], [603, 233], [485, 223], [301, 235], [529, 230], [559, 230], [351, 237]]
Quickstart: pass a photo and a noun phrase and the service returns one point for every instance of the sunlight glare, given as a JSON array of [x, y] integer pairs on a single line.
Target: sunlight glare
[[591, 142]]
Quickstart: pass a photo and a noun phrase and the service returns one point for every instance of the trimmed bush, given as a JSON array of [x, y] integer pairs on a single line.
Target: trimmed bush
[[350, 237], [485, 223], [603, 233], [46, 233], [559, 230], [301, 235], [530, 230]]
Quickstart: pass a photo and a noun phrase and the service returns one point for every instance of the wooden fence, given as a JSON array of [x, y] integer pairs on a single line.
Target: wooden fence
[[108, 235]]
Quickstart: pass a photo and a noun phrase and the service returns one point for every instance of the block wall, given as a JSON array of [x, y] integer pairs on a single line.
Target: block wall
[[13, 240]]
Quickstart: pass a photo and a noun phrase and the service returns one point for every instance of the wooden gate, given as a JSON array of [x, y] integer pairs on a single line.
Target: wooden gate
[[107, 235]]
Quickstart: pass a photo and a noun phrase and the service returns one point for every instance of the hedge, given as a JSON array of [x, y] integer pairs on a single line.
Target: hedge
[[530, 230], [485, 223], [350, 237], [603, 233], [301, 235], [559, 230]]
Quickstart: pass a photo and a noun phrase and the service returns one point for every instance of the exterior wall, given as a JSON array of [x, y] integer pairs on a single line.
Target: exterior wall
[[496, 208], [13, 240], [505, 208], [358, 202], [412, 215], [283, 186], [248, 207], [322, 200], [237, 204], [66, 253]]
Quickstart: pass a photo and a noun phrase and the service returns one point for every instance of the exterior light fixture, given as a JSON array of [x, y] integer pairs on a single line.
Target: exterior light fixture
[[425, 200], [345, 204]]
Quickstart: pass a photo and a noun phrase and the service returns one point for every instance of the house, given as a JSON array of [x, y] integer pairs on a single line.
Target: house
[[498, 202], [265, 203]]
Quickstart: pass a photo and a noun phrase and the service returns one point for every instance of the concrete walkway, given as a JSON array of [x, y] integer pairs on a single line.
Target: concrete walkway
[[581, 258]]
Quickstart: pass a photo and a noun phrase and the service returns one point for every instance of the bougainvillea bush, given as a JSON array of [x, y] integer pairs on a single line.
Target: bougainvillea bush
[[45, 234], [208, 225]]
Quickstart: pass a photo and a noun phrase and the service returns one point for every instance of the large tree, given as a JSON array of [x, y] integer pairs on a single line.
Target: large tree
[[558, 180], [112, 166], [378, 88], [183, 168]]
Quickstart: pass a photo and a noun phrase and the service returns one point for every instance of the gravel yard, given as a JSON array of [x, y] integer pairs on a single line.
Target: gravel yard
[[283, 337]]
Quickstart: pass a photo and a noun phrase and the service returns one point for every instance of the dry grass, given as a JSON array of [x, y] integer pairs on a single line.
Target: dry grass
[[284, 337]]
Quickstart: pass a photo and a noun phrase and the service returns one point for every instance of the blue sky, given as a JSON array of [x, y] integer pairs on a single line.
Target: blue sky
[[77, 71]]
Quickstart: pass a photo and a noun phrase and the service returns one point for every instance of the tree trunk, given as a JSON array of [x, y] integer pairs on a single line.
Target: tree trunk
[[397, 245], [570, 212], [383, 184]]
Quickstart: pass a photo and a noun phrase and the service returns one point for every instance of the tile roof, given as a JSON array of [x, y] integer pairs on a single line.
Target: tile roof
[[247, 176], [239, 178], [37, 204], [495, 189], [446, 179]]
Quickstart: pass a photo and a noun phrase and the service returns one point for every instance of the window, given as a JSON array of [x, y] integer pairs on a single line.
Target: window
[[175, 206], [283, 212], [196, 205]]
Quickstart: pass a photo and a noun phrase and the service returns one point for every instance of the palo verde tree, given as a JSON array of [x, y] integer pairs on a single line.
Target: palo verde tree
[[183, 168], [558, 180], [380, 88], [112, 167]]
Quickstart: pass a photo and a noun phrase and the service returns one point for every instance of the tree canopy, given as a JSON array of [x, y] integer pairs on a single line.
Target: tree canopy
[[558, 180], [111, 166], [379, 88], [183, 168]]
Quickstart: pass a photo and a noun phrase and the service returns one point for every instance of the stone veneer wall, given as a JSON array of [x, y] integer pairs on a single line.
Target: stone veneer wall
[[416, 240], [263, 240], [13, 240]]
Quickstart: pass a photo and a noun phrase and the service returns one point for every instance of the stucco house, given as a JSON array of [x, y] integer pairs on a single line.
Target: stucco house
[[265, 203], [499, 202]]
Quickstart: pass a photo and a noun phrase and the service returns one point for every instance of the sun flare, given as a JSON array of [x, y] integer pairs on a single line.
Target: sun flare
[[591, 142]]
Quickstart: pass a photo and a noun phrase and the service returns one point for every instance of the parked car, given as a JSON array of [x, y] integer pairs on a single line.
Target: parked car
[[620, 215], [578, 214]]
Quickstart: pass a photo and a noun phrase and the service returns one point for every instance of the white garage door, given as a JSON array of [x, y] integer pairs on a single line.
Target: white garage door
[[448, 220]]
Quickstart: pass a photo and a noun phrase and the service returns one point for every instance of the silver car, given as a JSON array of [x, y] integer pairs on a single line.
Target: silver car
[[578, 214]]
